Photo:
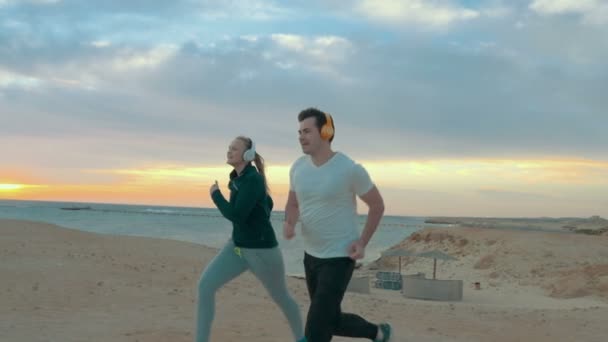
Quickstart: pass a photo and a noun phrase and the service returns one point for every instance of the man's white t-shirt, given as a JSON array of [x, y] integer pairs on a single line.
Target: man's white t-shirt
[[326, 197]]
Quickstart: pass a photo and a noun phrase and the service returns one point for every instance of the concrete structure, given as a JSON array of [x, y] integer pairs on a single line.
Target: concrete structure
[[433, 289], [359, 285]]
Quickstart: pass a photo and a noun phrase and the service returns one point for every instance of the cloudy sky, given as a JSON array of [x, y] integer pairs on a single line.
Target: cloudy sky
[[456, 107]]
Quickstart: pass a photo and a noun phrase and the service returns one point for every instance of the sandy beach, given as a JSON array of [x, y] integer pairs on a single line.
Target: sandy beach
[[59, 284]]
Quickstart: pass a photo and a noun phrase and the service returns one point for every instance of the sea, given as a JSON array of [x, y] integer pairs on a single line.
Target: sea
[[204, 226]]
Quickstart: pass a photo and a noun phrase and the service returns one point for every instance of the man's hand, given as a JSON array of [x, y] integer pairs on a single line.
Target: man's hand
[[213, 188], [356, 250], [289, 231]]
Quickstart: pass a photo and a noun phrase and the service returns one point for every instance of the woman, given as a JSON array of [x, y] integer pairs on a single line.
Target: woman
[[253, 245]]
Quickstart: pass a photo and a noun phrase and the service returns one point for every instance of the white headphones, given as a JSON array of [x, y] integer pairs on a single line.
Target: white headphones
[[249, 155]]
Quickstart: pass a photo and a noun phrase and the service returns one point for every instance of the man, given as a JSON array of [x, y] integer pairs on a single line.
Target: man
[[323, 189]]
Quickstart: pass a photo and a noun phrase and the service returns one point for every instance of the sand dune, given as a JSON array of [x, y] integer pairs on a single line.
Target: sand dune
[[594, 225], [553, 264]]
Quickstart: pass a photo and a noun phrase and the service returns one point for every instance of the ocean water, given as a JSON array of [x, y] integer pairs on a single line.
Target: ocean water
[[198, 225]]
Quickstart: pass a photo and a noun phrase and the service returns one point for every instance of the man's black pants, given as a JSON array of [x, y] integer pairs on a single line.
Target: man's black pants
[[327, 280]]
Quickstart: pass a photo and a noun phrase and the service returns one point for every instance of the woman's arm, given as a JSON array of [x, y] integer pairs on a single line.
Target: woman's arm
[[250, 190]]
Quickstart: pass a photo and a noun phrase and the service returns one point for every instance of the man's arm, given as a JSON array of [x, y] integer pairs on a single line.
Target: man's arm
[[375, 203], [292, 212]]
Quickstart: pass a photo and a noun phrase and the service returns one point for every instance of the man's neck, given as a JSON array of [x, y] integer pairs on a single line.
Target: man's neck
[[322, 156]]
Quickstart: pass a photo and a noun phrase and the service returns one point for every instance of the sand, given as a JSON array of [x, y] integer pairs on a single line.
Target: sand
[[58, 284]]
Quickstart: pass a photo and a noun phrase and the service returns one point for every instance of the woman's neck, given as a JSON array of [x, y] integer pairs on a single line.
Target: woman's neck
[[239, 168]]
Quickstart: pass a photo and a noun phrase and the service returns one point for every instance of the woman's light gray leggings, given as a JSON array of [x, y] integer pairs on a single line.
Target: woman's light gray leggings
[[266, 264]]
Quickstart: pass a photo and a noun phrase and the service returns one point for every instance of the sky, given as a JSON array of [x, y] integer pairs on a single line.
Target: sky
[[456, 108]]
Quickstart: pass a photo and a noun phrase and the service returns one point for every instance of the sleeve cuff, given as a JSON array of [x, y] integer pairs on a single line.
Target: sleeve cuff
[[217, 196]]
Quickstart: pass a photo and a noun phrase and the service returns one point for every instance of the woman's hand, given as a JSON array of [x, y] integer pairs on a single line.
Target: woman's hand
[[214, 188]]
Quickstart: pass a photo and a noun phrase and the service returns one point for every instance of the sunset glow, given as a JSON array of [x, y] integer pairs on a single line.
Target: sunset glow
[[415, 182], [10, 187]]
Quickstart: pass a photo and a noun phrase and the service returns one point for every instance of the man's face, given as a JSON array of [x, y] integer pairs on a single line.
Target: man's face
[[309, 136]]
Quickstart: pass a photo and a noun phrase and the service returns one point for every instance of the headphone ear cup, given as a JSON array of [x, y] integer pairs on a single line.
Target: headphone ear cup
[[326, 132], [249, 155]]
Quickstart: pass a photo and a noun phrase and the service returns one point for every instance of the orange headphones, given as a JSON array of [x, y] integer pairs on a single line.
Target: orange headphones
[[327, 131]]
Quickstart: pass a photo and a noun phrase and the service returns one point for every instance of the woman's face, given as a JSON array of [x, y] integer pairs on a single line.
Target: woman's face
[[234, 156]]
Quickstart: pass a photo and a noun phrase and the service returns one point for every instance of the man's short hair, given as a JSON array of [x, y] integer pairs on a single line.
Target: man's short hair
[[321, 118]]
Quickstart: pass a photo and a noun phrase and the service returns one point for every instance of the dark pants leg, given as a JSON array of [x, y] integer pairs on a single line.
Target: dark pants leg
[[327, 280]]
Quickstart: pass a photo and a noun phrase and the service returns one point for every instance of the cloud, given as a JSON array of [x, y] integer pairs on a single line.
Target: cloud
[[563, 6], [428, 14], [322, 48], [101, 43], [258, 10], [10, 79], [594, 12], [318, 54], [32, 2], [482, 89], [146, 59], [474, 99]]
